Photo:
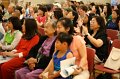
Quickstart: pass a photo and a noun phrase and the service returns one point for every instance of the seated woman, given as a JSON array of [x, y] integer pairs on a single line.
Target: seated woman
[[73, 15], [113, 24], [29, 40], [13, 35], [41, 16], [97, 38], [40, 55]]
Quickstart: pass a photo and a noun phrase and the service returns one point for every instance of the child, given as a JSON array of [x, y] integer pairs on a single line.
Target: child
[[62, 52]]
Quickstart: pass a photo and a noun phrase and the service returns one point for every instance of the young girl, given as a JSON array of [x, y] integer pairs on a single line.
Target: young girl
[[62, 52]]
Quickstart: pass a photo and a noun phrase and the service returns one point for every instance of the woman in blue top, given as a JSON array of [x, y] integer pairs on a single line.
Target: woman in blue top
[[112, 24], [62, 52]]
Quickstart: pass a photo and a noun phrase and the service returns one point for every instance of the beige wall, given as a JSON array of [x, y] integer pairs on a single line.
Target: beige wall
[[51, 1], [39, 1]]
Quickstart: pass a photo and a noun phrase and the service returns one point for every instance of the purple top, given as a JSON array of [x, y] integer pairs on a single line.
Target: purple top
[[45, 48]]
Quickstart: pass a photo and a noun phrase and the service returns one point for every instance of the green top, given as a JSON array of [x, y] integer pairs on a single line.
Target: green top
[[9, 38]]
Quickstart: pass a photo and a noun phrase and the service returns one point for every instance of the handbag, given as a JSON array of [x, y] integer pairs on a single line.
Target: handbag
[[113, 61]]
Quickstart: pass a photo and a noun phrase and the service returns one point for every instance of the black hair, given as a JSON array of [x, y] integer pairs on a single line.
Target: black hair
[[43, 8], [75, 14], [101, 23], [58, 13], [19, 8], [97, 9], [67, 23], [81, 2], [73, 7], [15, 22], [2, 6], [64, 37], [1, 17], [109, 10], [72, 2], [30, 28], [49, 7], [92, 4], [83, 7]]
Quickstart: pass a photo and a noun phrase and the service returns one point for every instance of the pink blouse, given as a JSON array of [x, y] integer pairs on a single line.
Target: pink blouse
[[79, 43]]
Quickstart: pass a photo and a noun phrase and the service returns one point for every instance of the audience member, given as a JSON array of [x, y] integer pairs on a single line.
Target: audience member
[[13, 35], [29, 39], [97, 38], [112, 24]]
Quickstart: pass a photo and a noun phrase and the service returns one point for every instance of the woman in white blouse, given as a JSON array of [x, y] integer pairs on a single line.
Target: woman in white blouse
[[13, 35]]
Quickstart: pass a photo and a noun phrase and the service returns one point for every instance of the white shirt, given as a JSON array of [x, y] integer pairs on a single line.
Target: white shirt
[[2, 30]]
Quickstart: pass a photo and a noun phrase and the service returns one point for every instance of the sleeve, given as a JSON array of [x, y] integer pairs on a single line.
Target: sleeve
[[2, 29], [15, 42], [102, 36], [31, 43]]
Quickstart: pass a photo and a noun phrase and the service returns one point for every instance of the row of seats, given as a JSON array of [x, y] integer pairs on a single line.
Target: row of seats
[[92, 67]]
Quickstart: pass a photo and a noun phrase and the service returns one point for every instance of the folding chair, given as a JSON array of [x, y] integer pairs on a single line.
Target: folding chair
[[90, 59], [100, 67]]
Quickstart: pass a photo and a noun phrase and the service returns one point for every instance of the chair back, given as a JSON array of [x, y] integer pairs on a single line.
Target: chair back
[[90, 59], [109, 44], [116, 43], [113, 34]]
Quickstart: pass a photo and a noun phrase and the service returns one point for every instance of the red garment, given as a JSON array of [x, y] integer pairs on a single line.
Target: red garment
[[41, 19], [24, 46]]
